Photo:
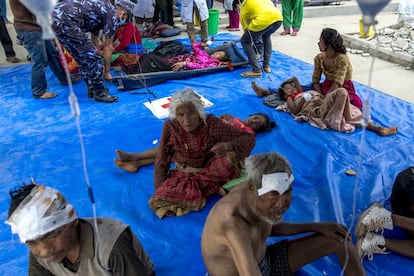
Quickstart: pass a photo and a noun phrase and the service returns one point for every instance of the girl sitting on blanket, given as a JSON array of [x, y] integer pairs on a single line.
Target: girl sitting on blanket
[[333, 62], [132, 162], [330, 111], [206, 153]]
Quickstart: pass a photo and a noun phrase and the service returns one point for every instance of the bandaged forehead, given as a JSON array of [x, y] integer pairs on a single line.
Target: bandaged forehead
[[278, 182], [42, 211]]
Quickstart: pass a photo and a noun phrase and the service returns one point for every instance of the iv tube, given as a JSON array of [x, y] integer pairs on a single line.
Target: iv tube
[[43, 9]]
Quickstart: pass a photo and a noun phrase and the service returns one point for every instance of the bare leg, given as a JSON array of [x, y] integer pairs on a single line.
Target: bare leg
[[405, 223], [373, 244], [133, 166], [403, 247], [260, 91], [191, 32], [382, 131], [305, 250], [129, 156]]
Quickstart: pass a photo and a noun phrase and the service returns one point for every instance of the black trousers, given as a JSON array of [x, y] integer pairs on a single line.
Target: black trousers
[[5, 39], [164, 11]]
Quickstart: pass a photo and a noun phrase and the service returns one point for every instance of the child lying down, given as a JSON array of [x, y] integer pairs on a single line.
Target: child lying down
[[330, 111]]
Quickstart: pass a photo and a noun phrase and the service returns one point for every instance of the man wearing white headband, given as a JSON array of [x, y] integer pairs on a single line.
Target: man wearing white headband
[[235, 233], [62, 244]]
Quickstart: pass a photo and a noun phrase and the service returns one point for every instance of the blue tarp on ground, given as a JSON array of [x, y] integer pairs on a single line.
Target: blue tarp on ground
[[39, 139]]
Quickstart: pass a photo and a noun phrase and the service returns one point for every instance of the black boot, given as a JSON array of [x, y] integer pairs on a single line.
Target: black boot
[[101, 96]]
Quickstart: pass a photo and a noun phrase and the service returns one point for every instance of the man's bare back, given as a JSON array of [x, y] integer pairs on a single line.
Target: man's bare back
[[239, 224]]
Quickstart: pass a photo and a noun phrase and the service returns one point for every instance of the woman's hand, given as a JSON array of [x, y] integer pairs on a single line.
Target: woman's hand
[[226, 117], [220, 149], [237, 8], [317, 87], [178, 66], [295, 106]]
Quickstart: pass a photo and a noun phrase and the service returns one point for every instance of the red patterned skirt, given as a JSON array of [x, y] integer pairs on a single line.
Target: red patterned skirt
[[183, 192]]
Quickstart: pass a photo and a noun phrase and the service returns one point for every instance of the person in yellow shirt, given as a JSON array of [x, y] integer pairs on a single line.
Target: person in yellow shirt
[[259, 20]]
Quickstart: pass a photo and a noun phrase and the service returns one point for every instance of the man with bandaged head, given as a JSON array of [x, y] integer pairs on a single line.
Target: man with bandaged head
[[60, 243], [235, 233]]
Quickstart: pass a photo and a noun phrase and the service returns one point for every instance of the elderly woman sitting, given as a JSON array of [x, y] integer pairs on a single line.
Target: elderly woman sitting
[[206, 153], [133, 161]]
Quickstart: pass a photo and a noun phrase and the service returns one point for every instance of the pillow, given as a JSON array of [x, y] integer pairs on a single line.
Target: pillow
[[170, 32]]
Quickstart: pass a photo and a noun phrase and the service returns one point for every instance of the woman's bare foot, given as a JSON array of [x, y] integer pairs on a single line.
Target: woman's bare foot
[[260, 91], [129, 166], [124, 156], [385, 131]]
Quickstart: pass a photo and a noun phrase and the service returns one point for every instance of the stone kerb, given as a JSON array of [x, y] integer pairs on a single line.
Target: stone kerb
[[353, 41]]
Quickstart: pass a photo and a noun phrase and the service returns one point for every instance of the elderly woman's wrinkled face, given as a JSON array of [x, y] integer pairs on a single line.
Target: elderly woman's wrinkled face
[[188, 117]]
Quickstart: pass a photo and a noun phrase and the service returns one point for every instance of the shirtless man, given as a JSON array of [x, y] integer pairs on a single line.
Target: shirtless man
[[235, 233]]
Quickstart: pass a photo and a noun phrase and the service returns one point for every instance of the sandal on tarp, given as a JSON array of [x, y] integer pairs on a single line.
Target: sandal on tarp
[[251, 74]]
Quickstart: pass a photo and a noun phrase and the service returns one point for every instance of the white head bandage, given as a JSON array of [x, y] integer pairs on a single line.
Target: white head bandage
[[278, 182], [42, 211]]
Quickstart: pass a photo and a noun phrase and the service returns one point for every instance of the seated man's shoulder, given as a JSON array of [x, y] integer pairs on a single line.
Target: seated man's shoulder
[[104, 222], [224, 218], [228, 206]]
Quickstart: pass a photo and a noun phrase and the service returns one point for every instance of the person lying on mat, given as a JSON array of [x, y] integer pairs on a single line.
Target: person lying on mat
[[196, 60], [371, 224], [132, 162], [233, 241], [264, 92], [206, 153], [334, 64], [330, 111], [60, 243]]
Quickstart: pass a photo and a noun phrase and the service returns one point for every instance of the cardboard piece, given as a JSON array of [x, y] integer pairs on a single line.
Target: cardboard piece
[[160, 107]]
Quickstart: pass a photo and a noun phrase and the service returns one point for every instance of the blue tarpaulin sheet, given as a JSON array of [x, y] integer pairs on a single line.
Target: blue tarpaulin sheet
[[40, 140]]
